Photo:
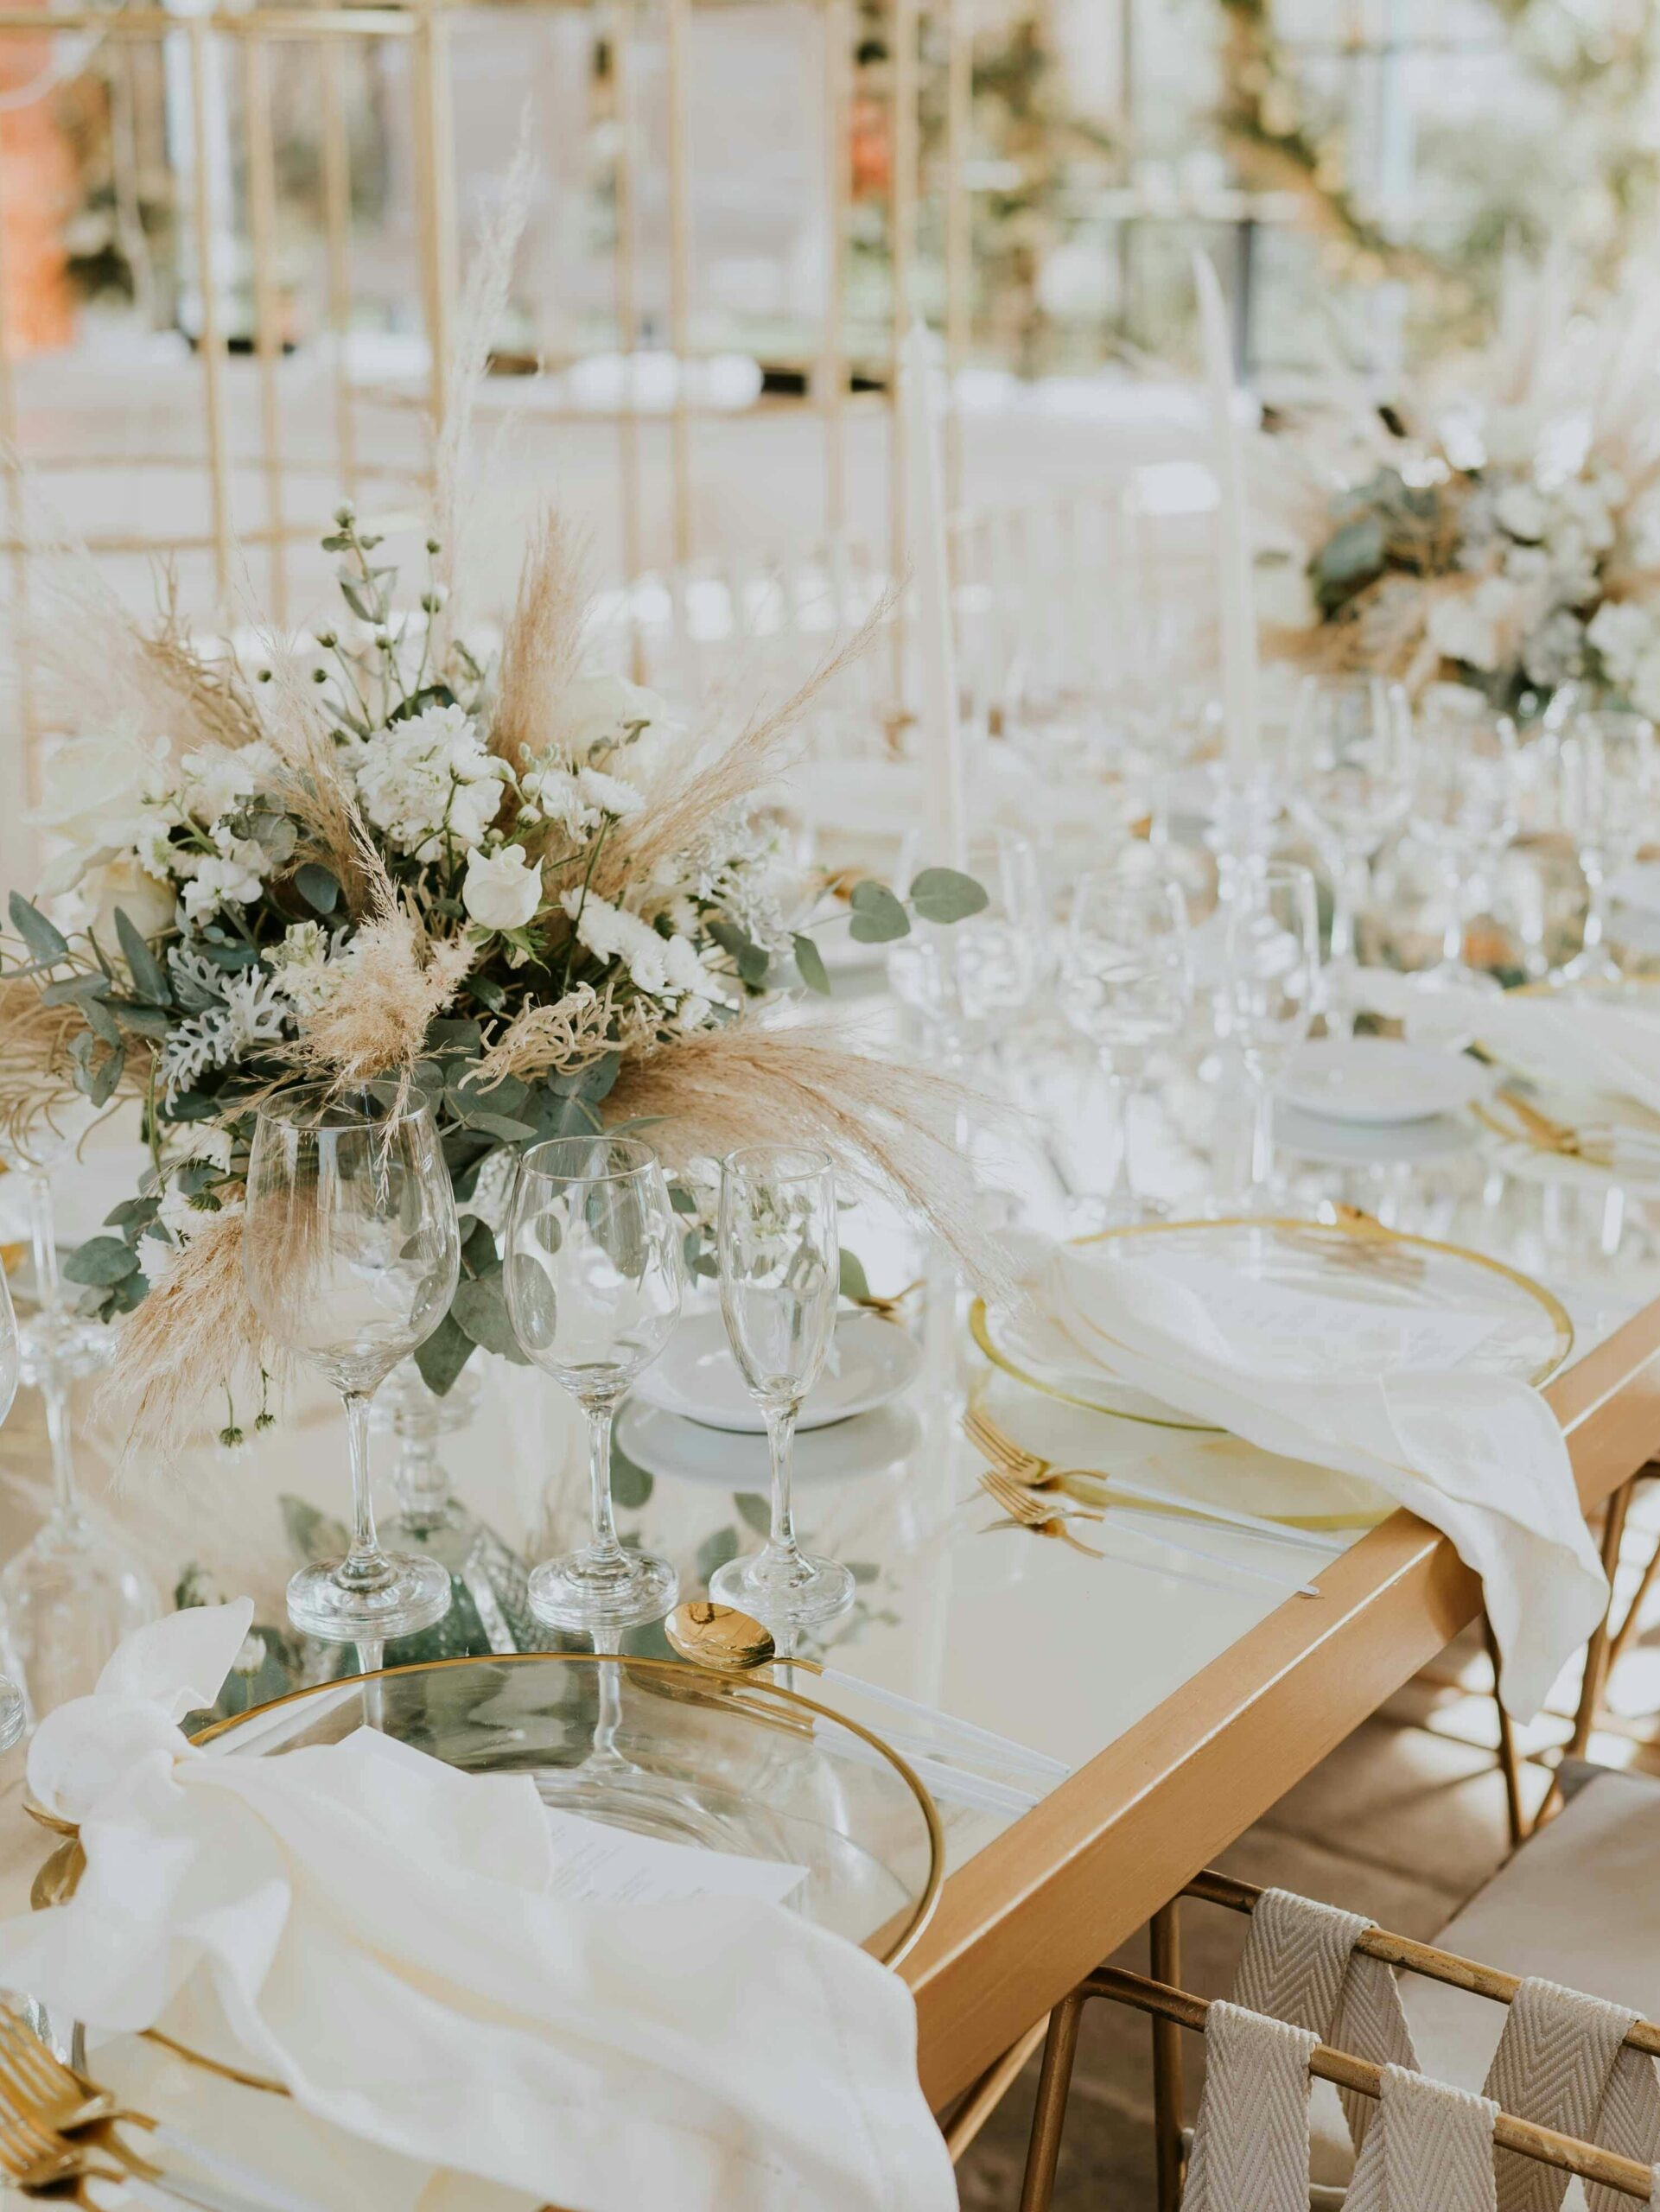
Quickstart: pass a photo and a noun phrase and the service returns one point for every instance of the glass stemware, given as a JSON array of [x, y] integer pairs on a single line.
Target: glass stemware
[[1271, 954], [1126, 985], [967, 982], [76, 1589], [1464, 802], [593, 1278], [1351, 758], [1607, 776], [351, 1252], [780, 1274]]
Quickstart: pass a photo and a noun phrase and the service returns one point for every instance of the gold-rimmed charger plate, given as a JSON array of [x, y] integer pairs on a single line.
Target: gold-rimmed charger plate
[[1358, 1258]]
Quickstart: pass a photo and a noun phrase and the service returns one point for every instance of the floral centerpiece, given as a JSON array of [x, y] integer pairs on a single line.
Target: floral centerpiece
[[378, 852], [1501, 526]]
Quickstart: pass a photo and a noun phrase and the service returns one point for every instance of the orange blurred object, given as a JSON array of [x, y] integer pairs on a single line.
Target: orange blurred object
[[37, 194]]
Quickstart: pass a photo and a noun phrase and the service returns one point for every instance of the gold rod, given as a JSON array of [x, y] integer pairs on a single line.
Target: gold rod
[[262, 224], [337, 234], [833, 368], [17, 533], [116, 543], [428, 86], [959, 251], [901, 246], [677, 13], [1401, 1951], [208, 339], [1543, 2145], [627, 275]]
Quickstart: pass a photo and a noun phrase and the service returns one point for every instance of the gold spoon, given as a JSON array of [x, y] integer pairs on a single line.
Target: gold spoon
[[731, 1642]]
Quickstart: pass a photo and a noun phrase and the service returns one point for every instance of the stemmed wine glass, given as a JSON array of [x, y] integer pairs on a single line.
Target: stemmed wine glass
[[1271, 985], [14, 1714], [76, 1589], [1608, 772], [781, 1277], [1351, 781], [1465, 802], [1126, 986], [968, 982], [593, 1278], [351, 1252]]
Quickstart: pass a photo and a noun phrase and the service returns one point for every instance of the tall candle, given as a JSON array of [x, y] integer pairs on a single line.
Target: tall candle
[[1233, 546], [931, 606]]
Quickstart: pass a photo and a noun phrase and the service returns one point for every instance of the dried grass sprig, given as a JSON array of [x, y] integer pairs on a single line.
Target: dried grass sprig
[[196, 1333], [882, 1121], [312, 784], [392, 978], [697, 786], [566, 1037], [538, 647]]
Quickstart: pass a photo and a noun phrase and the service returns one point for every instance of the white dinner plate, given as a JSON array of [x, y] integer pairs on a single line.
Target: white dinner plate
[[665, 1443], [870, 1360], [1378, 1079], [1345, 1144]]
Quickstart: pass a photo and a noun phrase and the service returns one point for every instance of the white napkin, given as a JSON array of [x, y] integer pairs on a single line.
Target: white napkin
[[1367, 1388], [375, 1930], [1589, 1042]]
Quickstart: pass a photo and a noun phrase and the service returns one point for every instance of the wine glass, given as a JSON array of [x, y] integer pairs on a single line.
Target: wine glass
[[1351, 782], [77, 1589], [351, 1252], [1126, 985], [1271, 986], [593, 1262], [781, 1277], [1607, 775], [1464, 803], [967, 981], [14, 1714]]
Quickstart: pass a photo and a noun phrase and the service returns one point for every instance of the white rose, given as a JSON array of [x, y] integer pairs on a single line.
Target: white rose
[[121, 882], [600, 709], [501, 891], [1621, 634], [92, 797]]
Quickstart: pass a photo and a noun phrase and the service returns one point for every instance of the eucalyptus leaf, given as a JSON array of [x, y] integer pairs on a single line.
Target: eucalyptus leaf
[[317, 886], [945, 894], [105, 1077], [102, 1023], [630, 1485], [101, 1260], [46, 942], [480, 1307], [502, 1126], [810, 964], [714, 1551], [755, 1510], [479, 1255], [443, 1355], [878, 916], [855, 1283], [71, 988]]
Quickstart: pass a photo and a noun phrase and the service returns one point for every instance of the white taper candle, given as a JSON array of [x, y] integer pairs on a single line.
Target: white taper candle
[[1233, 541], [931, 602]]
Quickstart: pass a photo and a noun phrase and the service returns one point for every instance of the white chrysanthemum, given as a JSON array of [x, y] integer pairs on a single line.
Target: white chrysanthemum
[[556, 797], [609, 795], [300, 964], [428, 779]]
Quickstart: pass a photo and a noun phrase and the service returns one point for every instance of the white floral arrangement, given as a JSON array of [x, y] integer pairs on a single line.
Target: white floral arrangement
[[1500, 528], [525, 889]]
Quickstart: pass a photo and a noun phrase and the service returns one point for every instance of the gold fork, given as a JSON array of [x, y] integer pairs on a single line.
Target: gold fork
[[36, 2161], [1022, 1510], [1092, 1486]]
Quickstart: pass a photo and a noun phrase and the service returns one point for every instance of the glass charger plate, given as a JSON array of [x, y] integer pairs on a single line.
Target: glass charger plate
[[665, 1750], [1360, 1259]]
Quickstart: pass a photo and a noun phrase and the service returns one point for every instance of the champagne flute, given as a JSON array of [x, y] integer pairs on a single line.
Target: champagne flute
[[781, 1277], [1608, 770], [77, 1589], [1352, 759], [1126, 986], [351, 1252], [1465, 803], [1271, 954], [593, 1261]]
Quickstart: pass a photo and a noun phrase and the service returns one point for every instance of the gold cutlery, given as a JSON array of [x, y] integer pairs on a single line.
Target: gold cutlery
[[37, 2162], [1094, 1486]]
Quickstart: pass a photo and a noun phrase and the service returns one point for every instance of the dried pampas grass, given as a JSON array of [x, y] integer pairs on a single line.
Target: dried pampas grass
[[881, 1121], [38, 1089], [539, 645], [195, 1332], [392, 979]]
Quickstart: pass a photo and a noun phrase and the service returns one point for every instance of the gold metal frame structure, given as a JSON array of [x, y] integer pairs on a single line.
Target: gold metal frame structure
[[428, 28]]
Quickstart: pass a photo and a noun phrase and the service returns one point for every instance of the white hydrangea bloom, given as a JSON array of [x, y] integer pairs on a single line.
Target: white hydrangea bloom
[[427, 777], [300, 964], [233, 877], [216, 780], [1622, 633]]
